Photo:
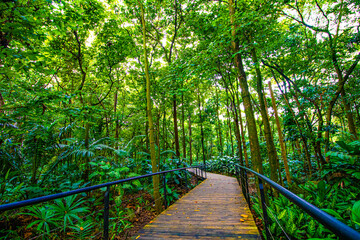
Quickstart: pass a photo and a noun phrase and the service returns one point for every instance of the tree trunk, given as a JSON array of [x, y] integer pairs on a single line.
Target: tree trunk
[[349, 115], [155, 167], [183, 127], [219, 123], [190, 140], [281, 137], [229, 125], [270, 146], [117, 120], [243, 139], [201, 127], [236, 129], [176, 132]]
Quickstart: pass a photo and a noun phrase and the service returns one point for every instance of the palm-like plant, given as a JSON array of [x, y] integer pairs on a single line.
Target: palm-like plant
[[68, 209], [44, 218]]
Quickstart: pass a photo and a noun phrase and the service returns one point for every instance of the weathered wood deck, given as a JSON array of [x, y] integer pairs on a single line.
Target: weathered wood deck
[[215, 209]]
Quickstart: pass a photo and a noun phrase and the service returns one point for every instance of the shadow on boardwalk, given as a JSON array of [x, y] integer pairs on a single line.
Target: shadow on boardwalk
[[215, 209]]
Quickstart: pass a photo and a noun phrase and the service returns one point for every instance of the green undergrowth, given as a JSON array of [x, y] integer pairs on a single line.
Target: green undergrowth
[[334, 189], [81, 216]]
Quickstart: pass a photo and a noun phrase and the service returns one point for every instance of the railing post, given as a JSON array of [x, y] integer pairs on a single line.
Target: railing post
[[205, 171], [262, 195], [186, 180], [247, 187], [165, 192], [196, 176], [240, 174], [106, 213]]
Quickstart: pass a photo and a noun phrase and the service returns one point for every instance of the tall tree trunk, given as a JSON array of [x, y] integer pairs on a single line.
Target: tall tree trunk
[[349, 115], [158, 136], [229, 125], [281, 137], [219, 122], [302, 136], [176, 132], [236, 128], [155, 167], [164, 130], [190, 140], [183, 126], [245, 94], [270, 146], [117, 120], [201, 126], [243, 139]]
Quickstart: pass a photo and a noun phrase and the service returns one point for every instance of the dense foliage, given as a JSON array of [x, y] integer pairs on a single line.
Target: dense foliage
[[92, 91]]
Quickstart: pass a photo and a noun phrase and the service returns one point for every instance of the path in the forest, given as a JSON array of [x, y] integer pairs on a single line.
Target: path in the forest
[[215, 209]]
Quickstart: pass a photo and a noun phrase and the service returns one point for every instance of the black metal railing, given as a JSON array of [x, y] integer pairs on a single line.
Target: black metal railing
[[199, 171], [340, 229]]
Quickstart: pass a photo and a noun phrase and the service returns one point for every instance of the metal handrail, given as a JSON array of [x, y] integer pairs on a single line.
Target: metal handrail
[[340, 229], [33, 201]]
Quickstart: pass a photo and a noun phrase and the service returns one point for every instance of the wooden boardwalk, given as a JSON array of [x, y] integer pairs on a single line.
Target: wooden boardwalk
[[215, 209]]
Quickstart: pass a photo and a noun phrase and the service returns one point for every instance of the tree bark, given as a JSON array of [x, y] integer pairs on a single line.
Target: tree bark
[[281, 137], [243, 139], [245, 94], [190, 140], [237, 130], [219, 122], [229, 125], [176, 132], [155, 167], [349, 115], [201, 127], [270, 146], [183, 127]]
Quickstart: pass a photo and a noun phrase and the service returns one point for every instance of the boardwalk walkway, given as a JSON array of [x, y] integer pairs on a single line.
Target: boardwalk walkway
[[215, 209]]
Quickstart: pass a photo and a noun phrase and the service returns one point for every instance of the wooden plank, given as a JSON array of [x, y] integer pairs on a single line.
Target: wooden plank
[[215, 209]]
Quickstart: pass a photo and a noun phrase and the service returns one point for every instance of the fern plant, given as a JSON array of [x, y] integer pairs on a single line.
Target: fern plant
[[68, 209], [45, 218], [82, 230]]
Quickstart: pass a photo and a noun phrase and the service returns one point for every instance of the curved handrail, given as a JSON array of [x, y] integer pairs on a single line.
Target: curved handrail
[[340, 229], [37, 200], [28, 202]]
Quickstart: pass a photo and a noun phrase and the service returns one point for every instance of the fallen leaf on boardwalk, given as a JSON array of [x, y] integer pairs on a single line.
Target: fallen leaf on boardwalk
[[197, 210], [244, 215], [242, 220], [168, 214], [151, 221], [187, 217], [137, 237], [210, 212]]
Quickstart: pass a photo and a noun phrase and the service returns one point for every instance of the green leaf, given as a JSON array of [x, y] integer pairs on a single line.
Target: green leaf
[[282, 214], [333, 213], [355, 212]]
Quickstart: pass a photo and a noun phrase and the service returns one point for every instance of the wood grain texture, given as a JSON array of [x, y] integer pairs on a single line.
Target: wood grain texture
[[215, 209]]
